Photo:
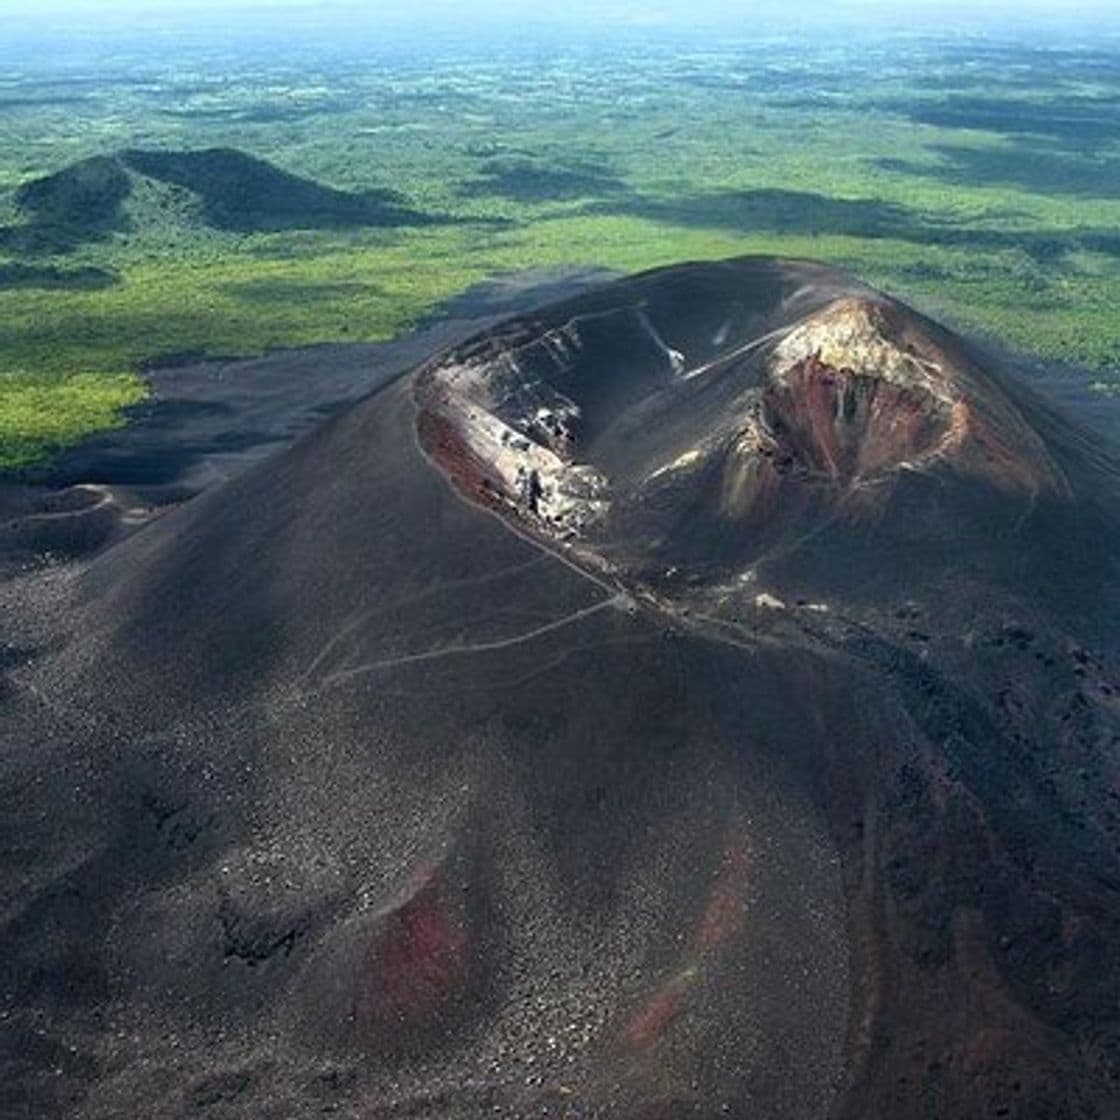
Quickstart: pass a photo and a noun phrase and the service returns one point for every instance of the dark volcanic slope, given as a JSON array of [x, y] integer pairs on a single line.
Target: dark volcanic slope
[[697, 699]]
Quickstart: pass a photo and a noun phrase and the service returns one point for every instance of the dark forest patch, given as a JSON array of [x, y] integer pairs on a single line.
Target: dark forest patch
[[1031, 167], [263, 112], [777, 211], [805, 213], [49, 278], [47, 101], [1074, 120], [527, 180]]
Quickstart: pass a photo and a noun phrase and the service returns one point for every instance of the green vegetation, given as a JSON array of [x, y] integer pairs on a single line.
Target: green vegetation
[[312, 197], [38, 415], [79, 203], [239, 193]]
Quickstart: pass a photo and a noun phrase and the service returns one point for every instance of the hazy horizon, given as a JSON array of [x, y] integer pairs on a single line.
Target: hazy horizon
[[200, 16]]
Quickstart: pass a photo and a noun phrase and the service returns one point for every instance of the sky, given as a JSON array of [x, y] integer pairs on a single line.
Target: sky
[[636, 13], [326, 20]]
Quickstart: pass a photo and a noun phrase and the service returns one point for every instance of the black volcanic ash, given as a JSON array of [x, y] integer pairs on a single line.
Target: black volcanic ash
[[746, 745]]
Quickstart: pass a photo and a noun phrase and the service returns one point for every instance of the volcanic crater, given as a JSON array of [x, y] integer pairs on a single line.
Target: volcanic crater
[[650, 437]]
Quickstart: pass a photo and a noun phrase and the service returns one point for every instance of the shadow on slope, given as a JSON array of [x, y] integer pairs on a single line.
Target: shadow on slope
[[1072, 119], [244, 194], [235, 192], [51, 278], [1027, 164], [527, 180], [786, 212]]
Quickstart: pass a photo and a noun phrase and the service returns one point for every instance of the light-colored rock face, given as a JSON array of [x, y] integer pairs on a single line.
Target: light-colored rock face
[[564, 496], [853, 336], [520, 439], [849, 399]]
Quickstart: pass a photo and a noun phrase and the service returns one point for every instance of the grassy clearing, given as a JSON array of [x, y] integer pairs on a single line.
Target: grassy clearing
[[39, 416]]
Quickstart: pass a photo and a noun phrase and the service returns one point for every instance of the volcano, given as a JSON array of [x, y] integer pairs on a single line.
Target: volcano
[[696, 698]]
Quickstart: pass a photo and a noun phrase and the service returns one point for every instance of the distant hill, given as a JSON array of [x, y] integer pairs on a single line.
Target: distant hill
[[242, 193], [82, 202], [232, 191]]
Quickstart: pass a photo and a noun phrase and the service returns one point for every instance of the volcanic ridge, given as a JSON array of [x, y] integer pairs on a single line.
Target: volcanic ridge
[[717, 435], [694, 698]]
